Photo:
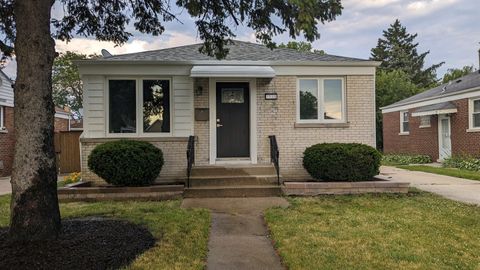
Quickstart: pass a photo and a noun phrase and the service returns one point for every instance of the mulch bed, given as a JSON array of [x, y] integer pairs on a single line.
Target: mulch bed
[[93, 243]]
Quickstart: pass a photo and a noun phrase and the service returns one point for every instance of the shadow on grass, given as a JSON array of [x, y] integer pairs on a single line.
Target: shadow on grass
[[92, 243]]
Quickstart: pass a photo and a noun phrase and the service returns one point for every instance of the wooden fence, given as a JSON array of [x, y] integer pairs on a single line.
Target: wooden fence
[[67, 149]]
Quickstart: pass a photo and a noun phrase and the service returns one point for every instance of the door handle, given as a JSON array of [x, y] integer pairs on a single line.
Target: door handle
[[219, 125]]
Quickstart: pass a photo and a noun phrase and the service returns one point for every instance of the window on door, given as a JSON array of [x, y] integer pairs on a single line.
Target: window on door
[[475, 114], [321, 100], [404, 124]]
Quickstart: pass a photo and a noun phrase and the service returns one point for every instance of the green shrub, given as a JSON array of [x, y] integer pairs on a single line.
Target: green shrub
[[126, 162], [403, 159], [342, 162], [463, 162]]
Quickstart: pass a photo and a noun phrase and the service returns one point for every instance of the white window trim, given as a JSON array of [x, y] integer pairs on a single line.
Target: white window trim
[[401, 123], [425, 126], [471, 128], [320, 106], [138, 108]]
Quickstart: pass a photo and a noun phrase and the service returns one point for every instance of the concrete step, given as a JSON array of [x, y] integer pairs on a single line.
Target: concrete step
[[228, 180], [233, 191], [233, 170]]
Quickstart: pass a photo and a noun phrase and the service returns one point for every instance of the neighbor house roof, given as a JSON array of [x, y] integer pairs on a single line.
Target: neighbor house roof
[[238, 51], [467, 82], [439, 108]]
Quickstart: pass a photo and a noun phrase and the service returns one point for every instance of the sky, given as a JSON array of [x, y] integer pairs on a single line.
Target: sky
[[447, 28]]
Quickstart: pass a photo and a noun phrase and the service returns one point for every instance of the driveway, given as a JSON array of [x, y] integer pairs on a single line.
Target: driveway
[[5, 187], [459, 189]]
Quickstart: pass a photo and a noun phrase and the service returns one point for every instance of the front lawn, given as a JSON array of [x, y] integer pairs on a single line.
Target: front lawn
[[181, 234], [443, 171], [414, 231]]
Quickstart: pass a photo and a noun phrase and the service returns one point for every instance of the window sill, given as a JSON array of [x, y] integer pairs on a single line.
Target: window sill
[[404, 133], [147, 139], [321, 125], [3, 130], [473, 130]]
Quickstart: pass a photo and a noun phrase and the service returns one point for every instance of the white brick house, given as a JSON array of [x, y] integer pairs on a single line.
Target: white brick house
[[230, 106]]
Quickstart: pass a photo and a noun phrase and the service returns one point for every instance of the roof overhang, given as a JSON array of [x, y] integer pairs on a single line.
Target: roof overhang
[[434, 112], [202, 71]]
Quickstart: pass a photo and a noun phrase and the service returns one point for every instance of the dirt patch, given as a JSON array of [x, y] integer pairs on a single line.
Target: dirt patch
[[93, 243]]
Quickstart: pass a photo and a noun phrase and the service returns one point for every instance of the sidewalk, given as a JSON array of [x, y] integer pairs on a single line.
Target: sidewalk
[[238, 237], [459, 189], [5, 187]]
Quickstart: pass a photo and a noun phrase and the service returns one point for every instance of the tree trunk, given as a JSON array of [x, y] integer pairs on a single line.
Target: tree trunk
[[34, 207]]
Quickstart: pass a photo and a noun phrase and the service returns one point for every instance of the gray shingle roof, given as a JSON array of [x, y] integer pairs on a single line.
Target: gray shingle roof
[[238, 51], [466, 82], [436, 107]]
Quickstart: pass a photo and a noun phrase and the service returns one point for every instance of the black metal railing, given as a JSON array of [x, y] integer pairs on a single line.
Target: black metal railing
[[275, 155], [190, 157]]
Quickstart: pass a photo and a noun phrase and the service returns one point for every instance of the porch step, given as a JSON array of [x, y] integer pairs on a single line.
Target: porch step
[[233, 170], [232, 191], [233, 180]]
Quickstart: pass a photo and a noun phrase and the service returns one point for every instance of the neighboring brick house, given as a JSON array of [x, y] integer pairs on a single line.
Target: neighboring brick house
[[439, 122], [231, 106], [7, 134]]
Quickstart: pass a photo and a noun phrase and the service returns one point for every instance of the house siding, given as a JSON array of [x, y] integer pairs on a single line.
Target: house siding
[[419, 141], [6, 91], [425, 140]]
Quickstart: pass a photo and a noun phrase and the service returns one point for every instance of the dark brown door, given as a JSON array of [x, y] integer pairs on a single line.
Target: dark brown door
[[233, 120]]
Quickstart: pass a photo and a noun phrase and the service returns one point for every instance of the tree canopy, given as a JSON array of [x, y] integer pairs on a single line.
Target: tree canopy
[[397, 49], [455, 73], [301, 46]]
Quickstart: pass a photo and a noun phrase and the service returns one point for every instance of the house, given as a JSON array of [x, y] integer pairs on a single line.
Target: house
[[231, 106], [439, 122], [7, 134]]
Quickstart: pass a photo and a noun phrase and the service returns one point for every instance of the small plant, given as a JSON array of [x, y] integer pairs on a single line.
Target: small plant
[[342, 161], [72, 178], [126, 162], [404, 159], [463, 162]]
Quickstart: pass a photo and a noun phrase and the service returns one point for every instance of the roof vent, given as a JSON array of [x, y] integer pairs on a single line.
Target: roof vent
[[106, 53]]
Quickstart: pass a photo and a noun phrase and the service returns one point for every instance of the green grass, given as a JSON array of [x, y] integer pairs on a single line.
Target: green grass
[[182, 234], [414, 231], [443, 171]]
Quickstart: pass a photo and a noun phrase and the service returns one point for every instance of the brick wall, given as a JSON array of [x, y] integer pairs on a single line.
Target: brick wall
[[277, 117], [463, 142], [7, 143], [173, 155], [202, 128], [419, 140]]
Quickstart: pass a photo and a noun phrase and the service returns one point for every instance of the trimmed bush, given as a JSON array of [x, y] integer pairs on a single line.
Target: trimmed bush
[[403, 159], [126, 162], [342, 162], [463, 162]]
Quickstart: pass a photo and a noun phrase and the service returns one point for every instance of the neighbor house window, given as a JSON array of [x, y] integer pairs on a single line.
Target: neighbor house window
[[2, 118], [475, 113], [122, 106], [321, 100], [404, 125], [425, 121], [156, 106]]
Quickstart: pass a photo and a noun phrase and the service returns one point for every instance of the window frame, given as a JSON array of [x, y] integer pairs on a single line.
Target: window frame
[[321, 101], [138, 107], [2, 118], [403, 132], [471, 113]]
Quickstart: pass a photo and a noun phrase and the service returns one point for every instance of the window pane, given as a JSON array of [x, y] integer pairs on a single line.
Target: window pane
[[406, 127], [476, 106], [476, 120], [308, 99], [122, 106], [405, 116], [156, 106], [333, 99]]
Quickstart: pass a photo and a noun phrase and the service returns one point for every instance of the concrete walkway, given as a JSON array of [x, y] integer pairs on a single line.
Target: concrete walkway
[[238, 236], [5, 186], [459, 189]]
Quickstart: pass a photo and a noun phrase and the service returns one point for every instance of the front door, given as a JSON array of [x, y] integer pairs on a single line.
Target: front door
[[233, 120], [445, 143]]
